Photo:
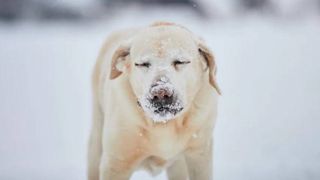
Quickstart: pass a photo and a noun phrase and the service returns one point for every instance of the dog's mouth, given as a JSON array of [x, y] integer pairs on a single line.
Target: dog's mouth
[[161, 106], [168, 105], [159, 111]]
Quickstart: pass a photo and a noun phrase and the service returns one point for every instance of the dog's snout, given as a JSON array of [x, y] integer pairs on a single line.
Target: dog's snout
[[161, 93], [161, 89], [163, 98]]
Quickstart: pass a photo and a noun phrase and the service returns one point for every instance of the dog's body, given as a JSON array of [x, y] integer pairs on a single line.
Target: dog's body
[[126, 133]]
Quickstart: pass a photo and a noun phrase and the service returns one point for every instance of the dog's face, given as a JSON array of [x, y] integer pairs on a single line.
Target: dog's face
[[166, 66]]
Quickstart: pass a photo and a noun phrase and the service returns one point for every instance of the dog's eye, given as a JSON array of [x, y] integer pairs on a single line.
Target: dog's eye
[[145, 64], [178, 62]]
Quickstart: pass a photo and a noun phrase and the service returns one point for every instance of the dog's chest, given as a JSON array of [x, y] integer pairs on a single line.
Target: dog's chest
[[165, 146], [155, 164], [166, 142]]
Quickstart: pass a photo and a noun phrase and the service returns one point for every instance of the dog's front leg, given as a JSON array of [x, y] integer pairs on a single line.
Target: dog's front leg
[[199, 162], [119, 165]]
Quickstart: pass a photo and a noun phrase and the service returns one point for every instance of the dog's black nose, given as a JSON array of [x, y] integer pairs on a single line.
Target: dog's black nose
[[161, 96], [161, 93]]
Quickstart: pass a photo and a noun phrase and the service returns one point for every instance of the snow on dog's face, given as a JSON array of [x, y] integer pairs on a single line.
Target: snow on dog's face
[[166, 67]]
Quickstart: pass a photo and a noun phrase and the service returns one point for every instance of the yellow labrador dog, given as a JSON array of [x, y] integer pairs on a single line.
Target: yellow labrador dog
[[155, 105]]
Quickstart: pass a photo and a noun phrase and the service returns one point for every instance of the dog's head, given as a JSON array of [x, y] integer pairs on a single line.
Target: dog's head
[[166, 65]]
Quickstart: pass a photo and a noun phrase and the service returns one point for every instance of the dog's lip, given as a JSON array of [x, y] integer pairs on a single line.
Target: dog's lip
[[171, 108], [159, 112], [138, 102], [161, 107], [164, 110]]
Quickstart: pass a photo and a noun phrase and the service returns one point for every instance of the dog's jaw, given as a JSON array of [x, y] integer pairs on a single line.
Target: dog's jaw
[[160, 114]]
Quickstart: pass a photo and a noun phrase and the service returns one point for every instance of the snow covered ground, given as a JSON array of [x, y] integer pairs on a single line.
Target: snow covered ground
[[268, 70]]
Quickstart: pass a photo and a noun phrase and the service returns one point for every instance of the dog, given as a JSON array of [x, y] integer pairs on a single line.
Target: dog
[[154, 105]]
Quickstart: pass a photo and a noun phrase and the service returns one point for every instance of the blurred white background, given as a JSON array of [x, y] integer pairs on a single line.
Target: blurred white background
[[268, 56]]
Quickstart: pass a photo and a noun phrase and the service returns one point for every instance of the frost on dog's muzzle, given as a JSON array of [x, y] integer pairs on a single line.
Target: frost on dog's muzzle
[[161, 103]]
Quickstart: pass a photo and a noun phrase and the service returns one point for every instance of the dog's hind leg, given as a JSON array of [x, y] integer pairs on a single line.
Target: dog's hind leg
[[178, 170]]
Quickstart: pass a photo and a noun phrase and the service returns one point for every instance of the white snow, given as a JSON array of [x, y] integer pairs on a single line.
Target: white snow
[[195, 135], [268, 69]]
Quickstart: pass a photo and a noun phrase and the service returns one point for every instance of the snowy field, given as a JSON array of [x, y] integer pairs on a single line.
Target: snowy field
[[268, 69]]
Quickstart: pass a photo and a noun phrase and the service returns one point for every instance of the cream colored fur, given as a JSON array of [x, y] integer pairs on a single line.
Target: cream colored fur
[[123, 138]]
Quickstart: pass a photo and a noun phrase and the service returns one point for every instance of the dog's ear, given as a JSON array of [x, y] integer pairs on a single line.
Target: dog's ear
[[211, 65], [118, 60]]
